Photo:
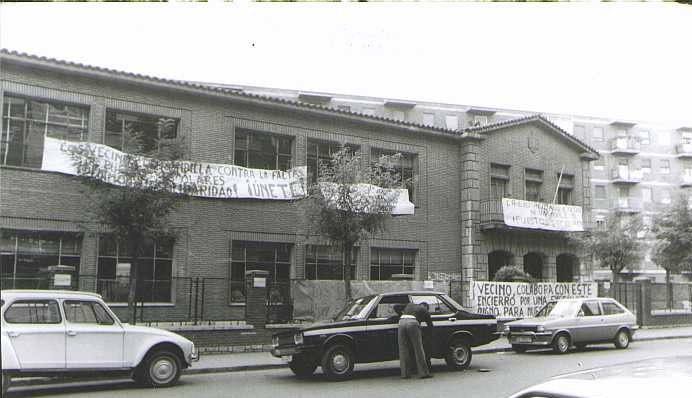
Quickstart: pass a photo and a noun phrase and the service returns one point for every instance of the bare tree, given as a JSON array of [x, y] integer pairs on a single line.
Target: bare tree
[[147, 191], [352, 200]]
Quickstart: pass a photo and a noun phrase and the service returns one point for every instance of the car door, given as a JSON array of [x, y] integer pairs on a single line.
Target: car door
[[444, 322], [94, 339], [589, 322], [383, 327], [37, 333], [614, 317]]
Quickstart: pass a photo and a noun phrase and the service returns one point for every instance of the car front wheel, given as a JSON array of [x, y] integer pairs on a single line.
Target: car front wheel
[[561, 343], [622, 339], [302, 366], [458, 355], [338, 362], [159, 369]]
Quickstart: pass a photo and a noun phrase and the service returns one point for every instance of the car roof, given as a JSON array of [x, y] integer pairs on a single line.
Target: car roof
[[415, 292], [35, 293]]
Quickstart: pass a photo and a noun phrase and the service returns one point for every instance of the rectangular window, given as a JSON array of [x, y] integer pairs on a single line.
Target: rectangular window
[[25, 123], [344, 108], [533, 182], [398, 114], [646, 166], [326, 262], [600, 192], [645, 137], [320, 155], [597, 134], [275, 258], [686, 137], [452, 122], [135, 133], [599, 165], [34, 312], [24, 256], [564, 191], [499, 181], [647, 194], [387, 262], [407, 167], [154, 270], [259, 150], [428, 119], [480, 120], [86, 312], [664, 166]]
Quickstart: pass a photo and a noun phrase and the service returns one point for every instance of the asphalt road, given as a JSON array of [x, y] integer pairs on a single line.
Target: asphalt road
[[490, 375]]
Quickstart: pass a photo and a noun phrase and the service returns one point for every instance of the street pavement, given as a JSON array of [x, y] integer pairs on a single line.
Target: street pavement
[[496, 375], [238, 362]]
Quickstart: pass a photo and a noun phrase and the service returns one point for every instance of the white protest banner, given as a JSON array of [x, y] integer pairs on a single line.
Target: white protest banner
[[211, 180], [521, 300], [538, 215], [363, 196]]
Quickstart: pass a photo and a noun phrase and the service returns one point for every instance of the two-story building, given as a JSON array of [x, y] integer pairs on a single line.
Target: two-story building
[[461, 176]]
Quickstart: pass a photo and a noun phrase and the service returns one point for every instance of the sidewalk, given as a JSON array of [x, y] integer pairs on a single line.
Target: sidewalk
[[238, 362]]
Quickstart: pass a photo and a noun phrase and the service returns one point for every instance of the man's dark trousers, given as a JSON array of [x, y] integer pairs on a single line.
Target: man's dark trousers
[[411, 348]]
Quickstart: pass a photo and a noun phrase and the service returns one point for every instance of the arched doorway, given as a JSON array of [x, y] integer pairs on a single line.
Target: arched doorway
[[566, 267], [533, 265], [498, 259]]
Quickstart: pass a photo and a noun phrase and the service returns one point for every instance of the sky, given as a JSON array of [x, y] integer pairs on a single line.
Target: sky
[[619, 61]]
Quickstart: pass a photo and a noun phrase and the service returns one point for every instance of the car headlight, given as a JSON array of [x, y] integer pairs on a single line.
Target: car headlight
[[540, 328], [298, 338], [505, 329]]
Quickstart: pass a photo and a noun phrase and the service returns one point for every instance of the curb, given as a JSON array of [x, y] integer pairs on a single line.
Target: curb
[[245, 368]]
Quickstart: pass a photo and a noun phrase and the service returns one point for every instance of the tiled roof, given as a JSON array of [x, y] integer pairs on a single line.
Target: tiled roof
[[230, 92], [531, 119]]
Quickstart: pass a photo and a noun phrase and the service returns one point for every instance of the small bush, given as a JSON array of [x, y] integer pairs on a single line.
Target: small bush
[[511, 273]]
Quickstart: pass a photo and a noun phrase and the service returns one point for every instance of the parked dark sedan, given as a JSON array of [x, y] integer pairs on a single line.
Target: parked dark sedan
[[366, 331]]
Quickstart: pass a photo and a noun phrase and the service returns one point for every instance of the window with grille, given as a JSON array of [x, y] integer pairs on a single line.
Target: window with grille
[[387, 262], [138, 133], [326, 262], [499, 181], [261, 150], [275, 258], [26, 121], [406, 167], [320, 155], [533, 180]]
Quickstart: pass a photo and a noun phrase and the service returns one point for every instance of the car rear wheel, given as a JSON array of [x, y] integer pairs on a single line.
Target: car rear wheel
[[458, 355], [338, 362], [159, 369], [622, 339], [561, 343], [519, 348], [302, 366]]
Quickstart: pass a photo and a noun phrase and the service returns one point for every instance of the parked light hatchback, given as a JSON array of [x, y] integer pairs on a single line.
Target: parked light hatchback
[[54, 332], [565, 323]]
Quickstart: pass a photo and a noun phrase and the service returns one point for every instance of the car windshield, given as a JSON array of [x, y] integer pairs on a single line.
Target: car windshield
[[354, 309], [559, 309]]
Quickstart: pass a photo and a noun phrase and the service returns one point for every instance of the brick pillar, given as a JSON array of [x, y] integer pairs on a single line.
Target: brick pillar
[[470, 215], [256, 298]]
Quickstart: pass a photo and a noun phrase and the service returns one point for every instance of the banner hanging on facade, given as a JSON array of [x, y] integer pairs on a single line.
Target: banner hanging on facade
[[371, 198], [522, 300], [211, 180], [538, 215]]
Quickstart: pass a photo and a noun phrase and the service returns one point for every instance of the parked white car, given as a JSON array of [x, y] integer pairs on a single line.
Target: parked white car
[[54, 332]]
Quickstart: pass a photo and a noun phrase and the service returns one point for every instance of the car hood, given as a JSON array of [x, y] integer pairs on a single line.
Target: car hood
[[545, 321], [134, 329]]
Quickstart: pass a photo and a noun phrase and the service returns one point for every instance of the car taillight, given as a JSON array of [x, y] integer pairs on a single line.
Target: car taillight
[[298, 338], [275, 341]]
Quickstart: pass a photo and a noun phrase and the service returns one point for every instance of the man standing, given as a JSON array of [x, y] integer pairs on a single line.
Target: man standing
[[410, 340]]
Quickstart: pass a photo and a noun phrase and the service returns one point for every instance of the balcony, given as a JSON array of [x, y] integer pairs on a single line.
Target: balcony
[[686, 181], [527, 215], [684, 150], [623, 175], [626, 205], [624, 146]]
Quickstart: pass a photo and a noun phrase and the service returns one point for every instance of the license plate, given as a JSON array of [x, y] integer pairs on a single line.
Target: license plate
[[522, 339], [287, 358]]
